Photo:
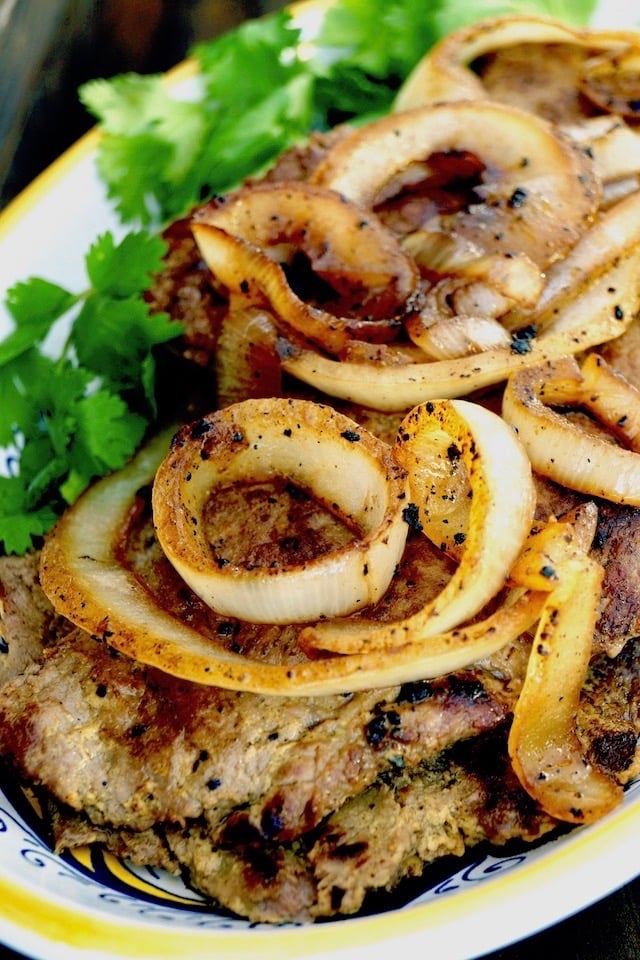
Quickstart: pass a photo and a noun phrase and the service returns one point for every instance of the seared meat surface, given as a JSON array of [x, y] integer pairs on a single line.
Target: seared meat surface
[[228, 841], [289, 808], [28, 622], [133, 747]]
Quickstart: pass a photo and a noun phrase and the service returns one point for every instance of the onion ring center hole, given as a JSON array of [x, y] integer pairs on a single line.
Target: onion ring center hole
[[272, 524]]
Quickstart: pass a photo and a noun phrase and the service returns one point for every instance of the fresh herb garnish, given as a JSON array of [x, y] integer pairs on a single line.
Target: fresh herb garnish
[[76, 412]]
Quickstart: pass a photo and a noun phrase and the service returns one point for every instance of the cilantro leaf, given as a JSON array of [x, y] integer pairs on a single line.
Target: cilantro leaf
[[74, 415], [19, 523], [35, 305], [106, 435], [150, 137], [124, 269]]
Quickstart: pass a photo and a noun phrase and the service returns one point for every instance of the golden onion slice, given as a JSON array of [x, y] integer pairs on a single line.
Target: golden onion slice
[[327, 454], [559, 447], [547, 754], [435, 442], [537, 194], [82, 574]]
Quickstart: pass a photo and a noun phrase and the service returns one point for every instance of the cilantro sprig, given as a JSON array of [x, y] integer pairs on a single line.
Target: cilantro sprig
[[77, 382]]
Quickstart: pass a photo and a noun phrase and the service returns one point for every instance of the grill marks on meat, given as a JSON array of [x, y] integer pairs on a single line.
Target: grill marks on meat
[[449, 804]]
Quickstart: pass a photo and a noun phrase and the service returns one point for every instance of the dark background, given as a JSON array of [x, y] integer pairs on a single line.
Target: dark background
[[47, 49]]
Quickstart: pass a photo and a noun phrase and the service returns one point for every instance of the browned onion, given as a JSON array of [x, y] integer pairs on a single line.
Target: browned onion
[[533, 178], [545, 750], [326, 453], [558, 447], [369, 275]]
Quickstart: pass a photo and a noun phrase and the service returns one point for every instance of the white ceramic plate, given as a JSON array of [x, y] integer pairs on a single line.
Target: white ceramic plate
[[88, 905]]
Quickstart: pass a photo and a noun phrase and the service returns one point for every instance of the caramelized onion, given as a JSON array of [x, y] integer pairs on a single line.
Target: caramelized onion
[[533, 178], [596, 276], [435, 441], [327, 454], [346, 246], [445, 72], [590, 297], [560, 448], [369, 276], [82, 574], [544, 747]]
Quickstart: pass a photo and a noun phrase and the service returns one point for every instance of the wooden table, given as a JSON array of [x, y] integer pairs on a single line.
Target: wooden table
[[46, 51]]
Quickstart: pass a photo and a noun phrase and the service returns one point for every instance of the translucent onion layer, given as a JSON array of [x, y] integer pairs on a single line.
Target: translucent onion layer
[[327, 454], [435, 441]]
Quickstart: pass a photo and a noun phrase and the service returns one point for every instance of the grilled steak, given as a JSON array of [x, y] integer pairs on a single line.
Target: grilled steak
[[288, 809], [188, 795]]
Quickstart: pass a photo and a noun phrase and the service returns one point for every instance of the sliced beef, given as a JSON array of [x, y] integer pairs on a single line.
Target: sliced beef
[[134, 747]]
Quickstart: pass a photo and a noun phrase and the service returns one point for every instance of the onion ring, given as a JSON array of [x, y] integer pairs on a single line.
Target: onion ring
[[562, 451], [433, 441], [312, 445], [533, 177], [82, 574], [444, 73], [346, 245]]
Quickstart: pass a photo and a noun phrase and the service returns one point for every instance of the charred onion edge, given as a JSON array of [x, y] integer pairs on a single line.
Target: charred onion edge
[[234, 240], [502, 508], [83, 577], [327, 454], [560, 449]]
